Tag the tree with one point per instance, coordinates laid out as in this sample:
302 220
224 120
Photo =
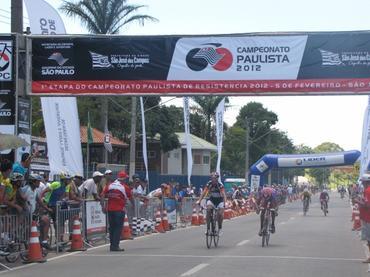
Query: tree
206 107
321 175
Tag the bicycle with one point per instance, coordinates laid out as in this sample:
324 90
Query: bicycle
305 206
266 227
212 233
324 207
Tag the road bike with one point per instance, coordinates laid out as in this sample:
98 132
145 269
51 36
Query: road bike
324 206
305 206
266 227
212 234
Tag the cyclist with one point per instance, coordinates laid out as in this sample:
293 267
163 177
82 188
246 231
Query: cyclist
306 196
32 198
267 198
324 197
217 199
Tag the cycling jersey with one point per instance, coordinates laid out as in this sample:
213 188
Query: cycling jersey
214 190
268 195
306 194
324 196
55 194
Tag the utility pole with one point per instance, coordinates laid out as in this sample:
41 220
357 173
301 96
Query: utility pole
247 152
16 16
133 136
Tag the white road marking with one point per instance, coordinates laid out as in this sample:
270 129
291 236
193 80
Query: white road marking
242 242
194 269
292 218
224 257
282 223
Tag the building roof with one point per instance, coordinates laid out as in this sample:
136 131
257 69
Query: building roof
196 142
98 137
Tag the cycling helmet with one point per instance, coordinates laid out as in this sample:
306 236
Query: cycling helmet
215 175
34 177
65 176
15 176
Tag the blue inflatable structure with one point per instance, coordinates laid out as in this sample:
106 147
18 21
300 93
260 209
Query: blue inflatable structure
258 171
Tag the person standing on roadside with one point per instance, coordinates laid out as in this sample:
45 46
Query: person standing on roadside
117 194
364 203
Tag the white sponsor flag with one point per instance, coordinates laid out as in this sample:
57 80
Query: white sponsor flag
187 137
63 134
107 143
365 143
145 156
44 19
219 133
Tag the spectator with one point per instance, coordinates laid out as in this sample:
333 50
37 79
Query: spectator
5 170
89 188
139 193
364 203
12 197
32 198
73 192
117 194
24 165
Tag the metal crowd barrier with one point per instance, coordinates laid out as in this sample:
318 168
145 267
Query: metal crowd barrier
14 228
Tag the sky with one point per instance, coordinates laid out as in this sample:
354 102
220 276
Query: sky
309 120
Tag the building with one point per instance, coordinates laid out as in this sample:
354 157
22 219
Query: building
175 162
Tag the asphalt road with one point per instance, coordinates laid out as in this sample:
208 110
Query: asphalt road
311 245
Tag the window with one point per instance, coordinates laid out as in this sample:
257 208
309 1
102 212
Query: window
151 154
176 155
205 159
197 159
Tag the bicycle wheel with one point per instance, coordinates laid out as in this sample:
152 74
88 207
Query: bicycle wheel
13 256
209 232
216 237
264 232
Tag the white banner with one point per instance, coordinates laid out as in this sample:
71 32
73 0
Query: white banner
187 137
365 143
239 58
219 133
95 218
63 134
107 143
145 155
255 182
44 19
319 160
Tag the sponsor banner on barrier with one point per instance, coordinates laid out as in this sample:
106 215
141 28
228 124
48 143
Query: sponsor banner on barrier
95 219
255 182
311 161
268 64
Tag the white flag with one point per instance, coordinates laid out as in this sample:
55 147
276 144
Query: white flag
187 137
219 133
63 134
107 143
365 143
44 19
145 156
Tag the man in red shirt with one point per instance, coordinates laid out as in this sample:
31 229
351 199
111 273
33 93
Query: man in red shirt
117 193
364 204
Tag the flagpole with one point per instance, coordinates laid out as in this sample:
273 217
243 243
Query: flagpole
87 158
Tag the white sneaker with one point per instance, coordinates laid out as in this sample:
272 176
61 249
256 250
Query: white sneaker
220 233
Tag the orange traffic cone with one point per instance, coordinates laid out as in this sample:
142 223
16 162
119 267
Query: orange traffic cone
34 250
194 218
166 226
356 220
77 242
159 225
126 231
201 217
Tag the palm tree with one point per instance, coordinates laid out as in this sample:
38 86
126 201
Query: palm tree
105 16
108 17
207 106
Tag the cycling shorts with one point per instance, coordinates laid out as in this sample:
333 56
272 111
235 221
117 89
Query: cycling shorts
219 204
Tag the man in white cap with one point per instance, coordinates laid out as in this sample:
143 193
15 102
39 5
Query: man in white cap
364 204
106 181
89 188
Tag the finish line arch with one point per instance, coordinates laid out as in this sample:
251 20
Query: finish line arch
259 169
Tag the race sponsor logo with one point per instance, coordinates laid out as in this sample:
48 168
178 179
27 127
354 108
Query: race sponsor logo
4 111
355 58
6 60
60 62
212 54
119 61
262 166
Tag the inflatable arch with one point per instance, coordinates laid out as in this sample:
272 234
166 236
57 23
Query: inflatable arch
258 170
